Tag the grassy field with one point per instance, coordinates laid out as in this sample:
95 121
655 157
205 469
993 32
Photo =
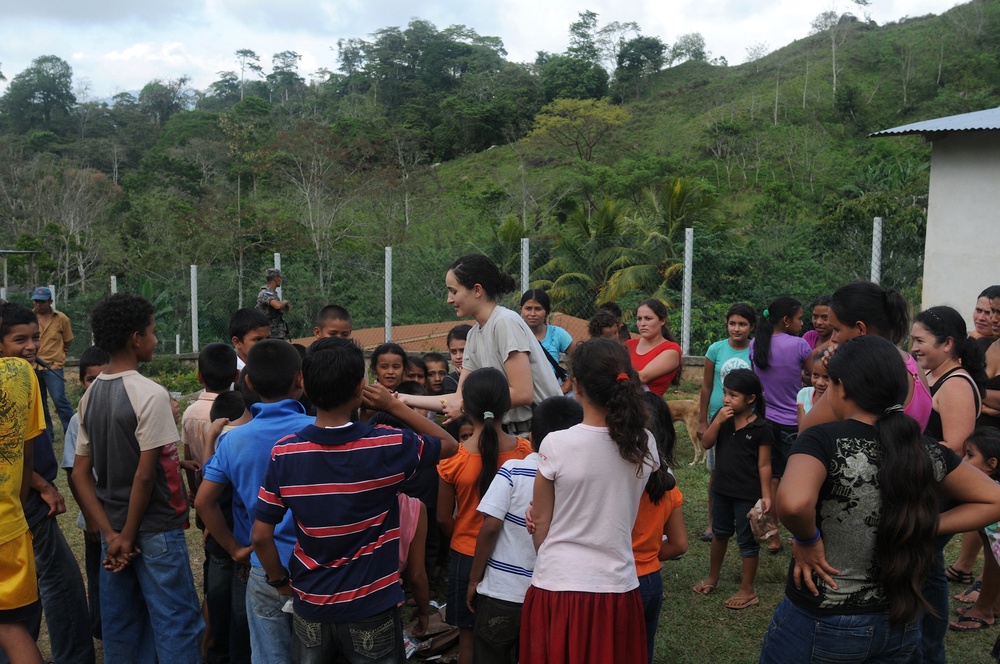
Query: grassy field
693 628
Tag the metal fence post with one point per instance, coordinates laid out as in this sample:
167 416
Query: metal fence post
388 294
277 266
876 249
194 310
686 310
525 262
52 287
114 284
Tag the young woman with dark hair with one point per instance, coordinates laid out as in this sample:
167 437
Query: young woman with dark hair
535 309
655 355
859 498
861 308
584 604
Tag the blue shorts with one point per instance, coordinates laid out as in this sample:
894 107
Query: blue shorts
729 517
459 570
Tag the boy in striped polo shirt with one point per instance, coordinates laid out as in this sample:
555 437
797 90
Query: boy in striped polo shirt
339 479
505 555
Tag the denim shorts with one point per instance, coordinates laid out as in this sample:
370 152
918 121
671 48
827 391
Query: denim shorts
798 635
729 517
498 628
456 612
784 436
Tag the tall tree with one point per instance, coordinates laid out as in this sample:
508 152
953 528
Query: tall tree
638 60
41 96
583 38
284 77
689 47
247 60
577 126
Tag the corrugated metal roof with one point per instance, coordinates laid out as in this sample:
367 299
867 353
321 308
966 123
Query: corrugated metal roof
977 121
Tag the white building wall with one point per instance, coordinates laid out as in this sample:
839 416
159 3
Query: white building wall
962 250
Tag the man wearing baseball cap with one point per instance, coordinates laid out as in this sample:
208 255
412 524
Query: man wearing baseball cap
56 333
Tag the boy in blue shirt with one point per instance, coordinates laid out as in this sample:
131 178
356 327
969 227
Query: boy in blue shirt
339 480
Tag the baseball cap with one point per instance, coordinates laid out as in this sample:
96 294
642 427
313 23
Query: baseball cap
41 294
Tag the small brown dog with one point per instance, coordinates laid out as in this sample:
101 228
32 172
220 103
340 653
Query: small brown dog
687 411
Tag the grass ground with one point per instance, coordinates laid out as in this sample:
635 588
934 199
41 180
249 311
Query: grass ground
693 628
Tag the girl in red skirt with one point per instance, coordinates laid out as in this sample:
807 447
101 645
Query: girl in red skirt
584 604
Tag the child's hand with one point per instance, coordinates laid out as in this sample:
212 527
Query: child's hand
53 499
193 466
420 628
727 413
470 596
377 397
765 505
529 521
242 554
702 428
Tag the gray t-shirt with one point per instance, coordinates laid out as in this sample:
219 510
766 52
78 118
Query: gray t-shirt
490 346
121 416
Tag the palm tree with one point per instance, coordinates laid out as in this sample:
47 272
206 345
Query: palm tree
655 259
583 258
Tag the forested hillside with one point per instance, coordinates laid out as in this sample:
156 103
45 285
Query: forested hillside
429 140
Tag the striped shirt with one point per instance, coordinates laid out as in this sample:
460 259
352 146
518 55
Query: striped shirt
340 485
509 568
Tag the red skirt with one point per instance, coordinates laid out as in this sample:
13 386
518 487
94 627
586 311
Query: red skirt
582 628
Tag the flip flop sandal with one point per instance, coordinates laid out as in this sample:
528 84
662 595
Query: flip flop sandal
978 623
957 576
703 588
966 596
740 603
705 537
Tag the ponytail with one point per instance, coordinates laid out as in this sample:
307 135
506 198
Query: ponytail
904 540
779 309
485 399
603 369
884 312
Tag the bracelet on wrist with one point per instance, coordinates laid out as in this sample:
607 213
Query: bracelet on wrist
278 583
807 542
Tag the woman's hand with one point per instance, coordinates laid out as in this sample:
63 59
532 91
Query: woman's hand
810 559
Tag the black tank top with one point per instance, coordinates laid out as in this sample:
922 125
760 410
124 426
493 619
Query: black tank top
934 427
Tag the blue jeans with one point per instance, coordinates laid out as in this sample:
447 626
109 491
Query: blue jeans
934 628
55 385
498 630
651 592
230 633
64 601
270 627
377 639
797 635
150 609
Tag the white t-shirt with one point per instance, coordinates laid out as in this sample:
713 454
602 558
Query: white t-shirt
490 346
589 544
508 571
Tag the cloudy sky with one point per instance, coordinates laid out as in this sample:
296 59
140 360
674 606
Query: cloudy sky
118 45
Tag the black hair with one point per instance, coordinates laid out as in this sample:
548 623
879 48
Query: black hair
414 361
884 312
250 396
92 357
873 376
612 307
332 312
244 321
599 321
271 367
16 314
779 309
217 366
473 269
435 357
661 425
945 323
821 301
456 424
603 370
411 387
332 371
987 440
743 310
991 292
748 383
539 296
554 414
389 349
486 399
228 404
459 332
117 317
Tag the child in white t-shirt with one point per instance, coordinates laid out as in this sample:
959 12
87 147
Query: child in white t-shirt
505 555
808 396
